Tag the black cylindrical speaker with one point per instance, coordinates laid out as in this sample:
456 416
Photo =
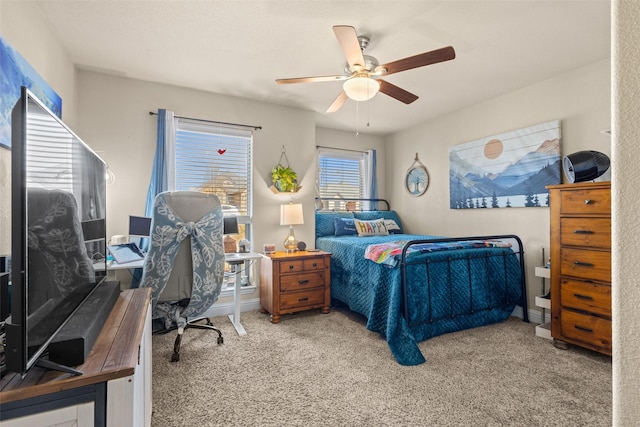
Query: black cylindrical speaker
585 165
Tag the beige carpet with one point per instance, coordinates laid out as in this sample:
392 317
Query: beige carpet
328 370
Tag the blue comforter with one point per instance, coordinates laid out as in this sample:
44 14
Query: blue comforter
375 290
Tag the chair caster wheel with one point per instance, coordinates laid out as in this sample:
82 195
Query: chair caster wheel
220 340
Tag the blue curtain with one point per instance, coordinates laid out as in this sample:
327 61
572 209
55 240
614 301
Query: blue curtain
371 178
159 179
159 176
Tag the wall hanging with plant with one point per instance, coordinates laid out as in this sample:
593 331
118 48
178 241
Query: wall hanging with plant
283 178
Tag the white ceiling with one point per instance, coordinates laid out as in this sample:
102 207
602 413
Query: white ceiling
240 48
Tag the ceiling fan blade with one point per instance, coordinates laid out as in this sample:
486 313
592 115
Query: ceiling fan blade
337 103
420 60
350 45
311 79
396 92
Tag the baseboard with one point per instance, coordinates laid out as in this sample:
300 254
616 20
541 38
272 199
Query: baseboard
535 316
223 309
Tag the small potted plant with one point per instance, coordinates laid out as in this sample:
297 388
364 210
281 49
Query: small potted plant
284 179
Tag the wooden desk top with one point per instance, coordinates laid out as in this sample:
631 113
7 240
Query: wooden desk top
114 354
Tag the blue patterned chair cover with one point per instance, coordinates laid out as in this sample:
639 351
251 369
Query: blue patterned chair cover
168 232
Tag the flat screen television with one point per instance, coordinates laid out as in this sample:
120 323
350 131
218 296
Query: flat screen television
58 196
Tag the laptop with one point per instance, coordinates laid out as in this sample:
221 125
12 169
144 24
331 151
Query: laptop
126 252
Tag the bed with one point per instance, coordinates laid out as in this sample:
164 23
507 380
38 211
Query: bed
414 287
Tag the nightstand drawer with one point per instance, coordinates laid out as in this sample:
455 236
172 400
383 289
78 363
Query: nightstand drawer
589 329
586 264
313 264
291 266
302 299
589 232
296 282
585 296
592 200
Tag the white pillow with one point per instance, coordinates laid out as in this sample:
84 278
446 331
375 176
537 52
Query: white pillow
392 226
371 228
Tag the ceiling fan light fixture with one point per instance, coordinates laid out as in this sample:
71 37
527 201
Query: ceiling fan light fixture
361 87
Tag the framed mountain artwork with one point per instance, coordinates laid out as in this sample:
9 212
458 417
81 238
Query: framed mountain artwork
15 72
507 170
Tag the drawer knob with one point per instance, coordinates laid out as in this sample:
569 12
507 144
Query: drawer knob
582 328
303 282
588 202
582 232
584 297
583 264
315 264
291 267
303 299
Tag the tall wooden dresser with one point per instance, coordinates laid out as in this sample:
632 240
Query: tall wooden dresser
581 264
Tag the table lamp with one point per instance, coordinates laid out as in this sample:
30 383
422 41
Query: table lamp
230 227
291 215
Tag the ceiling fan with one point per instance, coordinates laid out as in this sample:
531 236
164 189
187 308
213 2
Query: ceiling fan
363 72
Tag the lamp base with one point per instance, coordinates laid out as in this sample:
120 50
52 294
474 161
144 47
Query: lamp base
291 243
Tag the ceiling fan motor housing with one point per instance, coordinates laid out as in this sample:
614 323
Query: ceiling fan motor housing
370 64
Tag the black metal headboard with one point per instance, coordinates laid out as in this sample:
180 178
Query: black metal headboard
332 204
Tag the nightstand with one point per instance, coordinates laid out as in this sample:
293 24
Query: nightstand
293 282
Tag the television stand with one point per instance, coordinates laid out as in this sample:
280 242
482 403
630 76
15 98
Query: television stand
114 389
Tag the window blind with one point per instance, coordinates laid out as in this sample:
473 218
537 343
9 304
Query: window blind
215 159
340 174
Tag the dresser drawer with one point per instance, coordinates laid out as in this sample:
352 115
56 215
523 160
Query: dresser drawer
585 296
296 282
589 232
302 299
585 264
587 200
588 329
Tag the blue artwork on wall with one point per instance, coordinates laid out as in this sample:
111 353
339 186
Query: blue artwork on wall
15 72
507 170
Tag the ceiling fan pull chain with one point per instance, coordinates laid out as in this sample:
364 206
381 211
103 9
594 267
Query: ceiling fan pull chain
357 118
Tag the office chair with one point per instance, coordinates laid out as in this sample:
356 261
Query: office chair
184 265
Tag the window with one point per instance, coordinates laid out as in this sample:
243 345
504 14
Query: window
216 159
340 176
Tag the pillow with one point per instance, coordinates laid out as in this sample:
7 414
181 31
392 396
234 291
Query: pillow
325 222
369 215
371 228
392 226
344 226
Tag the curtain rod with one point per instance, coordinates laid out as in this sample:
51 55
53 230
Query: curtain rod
151 113
342 149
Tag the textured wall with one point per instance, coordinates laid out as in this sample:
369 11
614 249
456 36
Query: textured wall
626 205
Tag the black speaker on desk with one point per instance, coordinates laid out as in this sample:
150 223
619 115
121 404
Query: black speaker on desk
72 345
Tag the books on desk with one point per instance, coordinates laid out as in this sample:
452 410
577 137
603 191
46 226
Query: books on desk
126 253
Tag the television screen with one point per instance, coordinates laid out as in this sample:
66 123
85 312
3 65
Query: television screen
58 198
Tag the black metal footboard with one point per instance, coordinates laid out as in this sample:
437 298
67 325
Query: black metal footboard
427 315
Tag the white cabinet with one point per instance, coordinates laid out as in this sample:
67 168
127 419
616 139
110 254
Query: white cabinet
114 389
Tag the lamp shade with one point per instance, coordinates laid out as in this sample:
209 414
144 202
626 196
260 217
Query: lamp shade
230 225
361 87
291 214
585 165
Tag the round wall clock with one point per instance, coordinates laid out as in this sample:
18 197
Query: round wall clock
416 181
